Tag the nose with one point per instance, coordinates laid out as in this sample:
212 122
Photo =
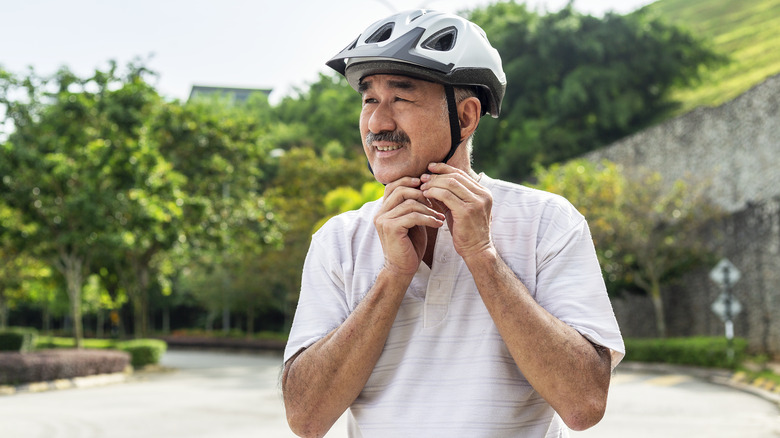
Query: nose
381 119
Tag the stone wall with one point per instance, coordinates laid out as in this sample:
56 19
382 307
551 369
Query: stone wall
734 150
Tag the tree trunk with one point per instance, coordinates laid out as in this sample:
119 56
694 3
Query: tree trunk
250 320
166 319
99 324
140 298
72 267
140 313
46 316
3 312
226 319
658 306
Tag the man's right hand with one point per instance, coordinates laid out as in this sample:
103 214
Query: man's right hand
401 225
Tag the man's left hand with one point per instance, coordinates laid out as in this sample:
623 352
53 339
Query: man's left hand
466 204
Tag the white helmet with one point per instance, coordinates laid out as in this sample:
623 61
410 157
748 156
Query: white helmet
435 46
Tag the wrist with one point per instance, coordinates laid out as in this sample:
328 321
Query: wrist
482 259
396 278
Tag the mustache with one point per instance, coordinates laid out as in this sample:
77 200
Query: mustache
397 136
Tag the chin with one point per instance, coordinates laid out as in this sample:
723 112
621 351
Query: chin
386 177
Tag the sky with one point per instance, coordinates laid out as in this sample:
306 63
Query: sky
269 44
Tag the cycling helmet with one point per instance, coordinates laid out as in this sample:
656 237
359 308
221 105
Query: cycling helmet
433 46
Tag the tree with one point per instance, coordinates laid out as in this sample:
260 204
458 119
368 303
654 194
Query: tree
327 114
60 163
576 82
222 151
647 233
343 199
297 193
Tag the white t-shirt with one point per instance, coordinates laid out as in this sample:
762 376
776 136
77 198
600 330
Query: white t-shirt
444 370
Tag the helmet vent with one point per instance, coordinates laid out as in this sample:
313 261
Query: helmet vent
382 34
418 14
442 40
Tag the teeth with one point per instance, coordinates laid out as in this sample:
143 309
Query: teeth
388 148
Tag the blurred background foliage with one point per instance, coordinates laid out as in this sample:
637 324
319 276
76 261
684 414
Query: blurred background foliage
139 214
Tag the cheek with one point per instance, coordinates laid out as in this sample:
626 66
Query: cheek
363 123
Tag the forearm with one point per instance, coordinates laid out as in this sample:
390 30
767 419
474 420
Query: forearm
561 365
322 381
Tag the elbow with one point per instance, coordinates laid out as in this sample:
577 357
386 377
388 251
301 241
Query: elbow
586 414
303 424
305 419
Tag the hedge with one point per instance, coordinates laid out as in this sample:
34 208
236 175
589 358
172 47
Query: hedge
143 351
20 339
711 352
41 366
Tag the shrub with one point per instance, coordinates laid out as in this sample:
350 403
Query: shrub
144 351
46 365
711 352
20 339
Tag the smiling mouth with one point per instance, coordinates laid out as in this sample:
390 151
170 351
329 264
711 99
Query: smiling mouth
387 141
388 148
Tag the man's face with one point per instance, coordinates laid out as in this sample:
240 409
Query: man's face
404 125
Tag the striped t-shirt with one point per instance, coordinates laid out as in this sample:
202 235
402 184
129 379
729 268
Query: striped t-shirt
445 370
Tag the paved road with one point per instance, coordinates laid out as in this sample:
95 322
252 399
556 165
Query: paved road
236 395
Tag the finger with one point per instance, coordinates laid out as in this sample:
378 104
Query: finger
443 168
459 183
402 182
402 194
414 209
448 188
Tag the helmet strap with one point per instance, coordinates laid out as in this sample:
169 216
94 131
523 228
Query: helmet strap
452 109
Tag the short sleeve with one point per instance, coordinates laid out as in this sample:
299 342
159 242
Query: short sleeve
570 285
322 305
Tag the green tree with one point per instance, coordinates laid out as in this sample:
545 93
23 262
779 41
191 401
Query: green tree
222 150
577 82
325 117
58 163
343 199
297 193
646 232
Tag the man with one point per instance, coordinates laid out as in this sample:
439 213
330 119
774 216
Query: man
457 305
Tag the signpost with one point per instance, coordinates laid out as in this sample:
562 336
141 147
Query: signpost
725 274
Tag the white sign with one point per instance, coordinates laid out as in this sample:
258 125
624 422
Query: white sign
726 307
725 273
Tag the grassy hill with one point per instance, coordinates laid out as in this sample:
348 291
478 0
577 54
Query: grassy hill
747 31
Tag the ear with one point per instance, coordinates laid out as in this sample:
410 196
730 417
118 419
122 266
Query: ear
469 111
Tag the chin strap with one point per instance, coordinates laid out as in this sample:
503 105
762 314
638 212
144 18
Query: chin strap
452 109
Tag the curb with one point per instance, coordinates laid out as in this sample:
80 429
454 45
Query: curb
761 387
76 382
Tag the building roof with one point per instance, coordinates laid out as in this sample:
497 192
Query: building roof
237 94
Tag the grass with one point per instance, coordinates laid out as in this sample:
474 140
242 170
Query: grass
747 31
60 342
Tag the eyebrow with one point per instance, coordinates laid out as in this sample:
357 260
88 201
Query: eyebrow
400 84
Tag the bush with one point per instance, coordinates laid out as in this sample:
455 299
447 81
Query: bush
144 351
20 339
42 366
711 352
